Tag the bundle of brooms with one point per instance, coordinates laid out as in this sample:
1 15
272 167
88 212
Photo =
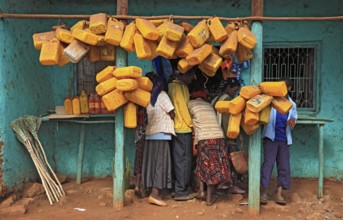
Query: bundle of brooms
26 129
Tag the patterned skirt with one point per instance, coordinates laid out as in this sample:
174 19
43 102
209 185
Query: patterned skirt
212 165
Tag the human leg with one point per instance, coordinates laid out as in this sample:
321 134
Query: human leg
284 175
182 164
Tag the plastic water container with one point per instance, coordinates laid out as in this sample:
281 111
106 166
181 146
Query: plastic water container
68 106
127 40
86 36
265 115
174 32
249 129
243 54
64 35
281 104
157 22
84 102
250 117
246 38
128 72
233 128
142 47
222 106
259 102
105 74
229 46
115 31
130 115
126 84
274 88
114 100
166 48
199 34
76 106
206 71
163 27
237 105
217 30
144 83
40 38
213 62
138 96
106 86
50 53
230 27
183 66
98 23
198 55
249 92
184 48
83 24
147 29
76 51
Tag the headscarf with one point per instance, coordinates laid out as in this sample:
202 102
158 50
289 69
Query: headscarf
156 90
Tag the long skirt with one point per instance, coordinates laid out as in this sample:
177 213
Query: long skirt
213 163
156 167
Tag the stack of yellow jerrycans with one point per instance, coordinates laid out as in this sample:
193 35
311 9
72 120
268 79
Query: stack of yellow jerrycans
97 38
124 86
252 107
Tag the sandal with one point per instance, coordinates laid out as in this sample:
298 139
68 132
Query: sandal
280 200
264 199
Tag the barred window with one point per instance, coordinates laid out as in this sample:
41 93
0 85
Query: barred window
297 63
86 72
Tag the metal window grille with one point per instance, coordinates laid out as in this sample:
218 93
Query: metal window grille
86 72
298 64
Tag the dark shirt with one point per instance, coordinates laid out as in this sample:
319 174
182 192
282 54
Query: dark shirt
280 127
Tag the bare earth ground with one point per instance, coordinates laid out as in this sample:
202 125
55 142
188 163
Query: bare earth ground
94 196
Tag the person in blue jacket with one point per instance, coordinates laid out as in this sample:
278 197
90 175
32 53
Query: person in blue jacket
276 141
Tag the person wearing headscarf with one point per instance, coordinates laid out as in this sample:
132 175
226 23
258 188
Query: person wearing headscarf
156 167
212 165
229 88
182 142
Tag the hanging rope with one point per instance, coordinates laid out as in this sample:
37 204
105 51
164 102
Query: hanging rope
131 17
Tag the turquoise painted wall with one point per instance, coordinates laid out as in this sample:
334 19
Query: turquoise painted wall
30 88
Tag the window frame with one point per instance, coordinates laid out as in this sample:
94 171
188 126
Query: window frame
316 45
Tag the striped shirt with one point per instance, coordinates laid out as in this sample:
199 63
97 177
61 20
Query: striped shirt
204 119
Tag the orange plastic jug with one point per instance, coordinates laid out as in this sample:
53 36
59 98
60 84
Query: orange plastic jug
174 32
68 106
83 24
233 128
147 29
183 66
64 35
274 88
115 31
98 23
39 38
144 83
114 100
142 47
128 72
127 40
86 36
199 34
213 62
107 53
259 102
217 30
166 48
246 38
222 106
138 96
237 105
126 84
243 53
198 55
249 129
229 46
281 104
50 53
105 74
106 86
206 71
249 92
93 54
265 115
251 118
184 48
130 115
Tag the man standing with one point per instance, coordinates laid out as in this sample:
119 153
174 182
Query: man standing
182 143
276 140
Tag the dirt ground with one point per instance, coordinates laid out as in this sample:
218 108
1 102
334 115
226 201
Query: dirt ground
93 200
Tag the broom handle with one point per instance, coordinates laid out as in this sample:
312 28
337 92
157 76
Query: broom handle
51 170
47 192
46 175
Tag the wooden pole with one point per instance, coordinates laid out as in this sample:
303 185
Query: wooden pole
255 139
119 153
